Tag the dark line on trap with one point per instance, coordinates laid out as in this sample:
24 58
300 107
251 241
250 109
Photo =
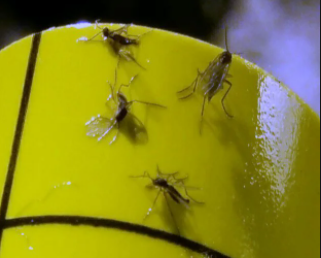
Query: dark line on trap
115 224
19 130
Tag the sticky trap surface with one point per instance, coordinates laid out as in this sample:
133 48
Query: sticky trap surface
259 172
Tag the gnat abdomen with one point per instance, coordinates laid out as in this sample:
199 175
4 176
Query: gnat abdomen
121 114
124 40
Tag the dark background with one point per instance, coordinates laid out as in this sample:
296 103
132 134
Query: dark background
285 34
189 17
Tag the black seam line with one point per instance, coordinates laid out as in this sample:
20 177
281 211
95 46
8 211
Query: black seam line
19 130
114 224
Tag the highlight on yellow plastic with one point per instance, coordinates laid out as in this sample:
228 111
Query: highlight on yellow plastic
67 195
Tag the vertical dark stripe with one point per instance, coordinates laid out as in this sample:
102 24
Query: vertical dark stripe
19 130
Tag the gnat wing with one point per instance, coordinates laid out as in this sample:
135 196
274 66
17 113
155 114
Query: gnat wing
121 31
134 129
216 80
99 126
177 197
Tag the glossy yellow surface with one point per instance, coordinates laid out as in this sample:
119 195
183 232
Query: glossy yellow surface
259 172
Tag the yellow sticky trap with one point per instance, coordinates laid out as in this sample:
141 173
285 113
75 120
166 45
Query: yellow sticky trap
68 195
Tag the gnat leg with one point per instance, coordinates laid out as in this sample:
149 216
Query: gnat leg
172 215
146 103
116 136
186 192
129 84
151 208
145 175
159 173
193 86
129 57
202 114
123 29
112 87
95 36
224 97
